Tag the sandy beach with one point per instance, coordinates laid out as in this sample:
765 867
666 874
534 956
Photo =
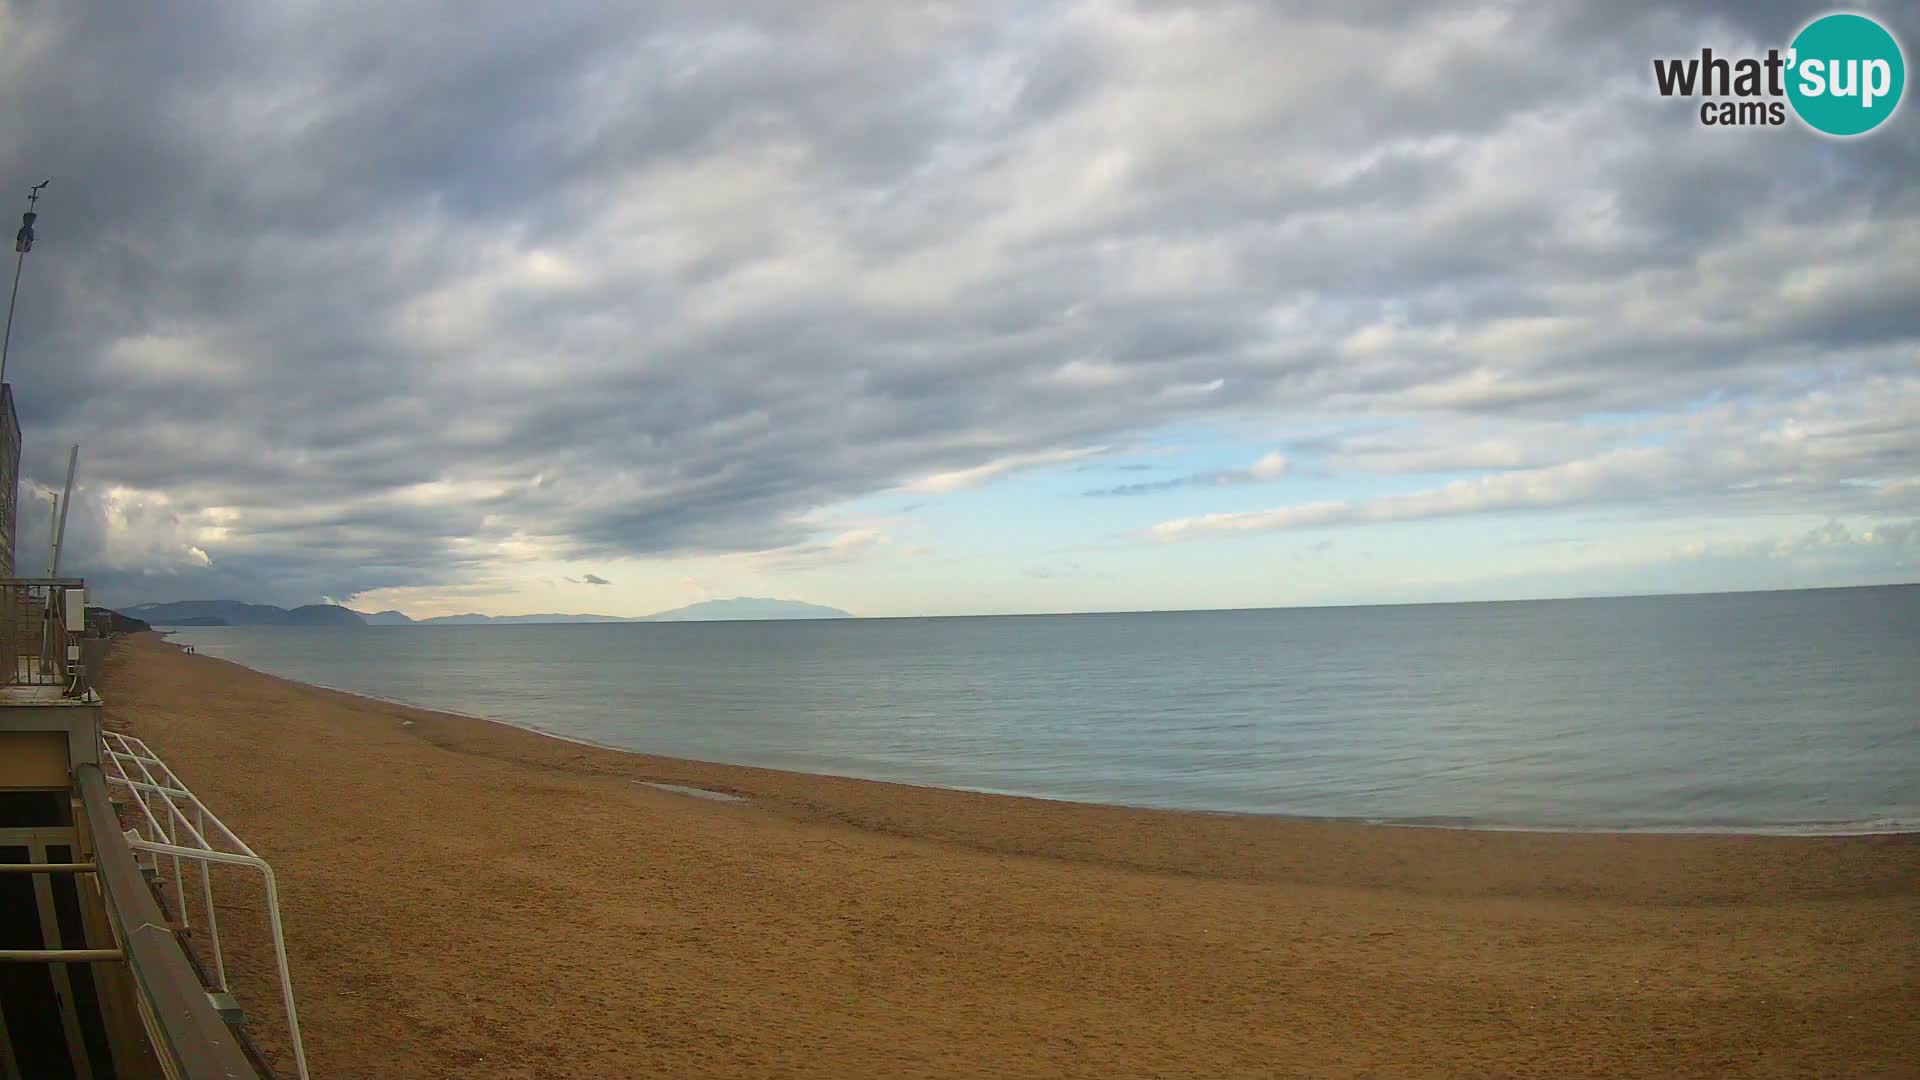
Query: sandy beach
466 899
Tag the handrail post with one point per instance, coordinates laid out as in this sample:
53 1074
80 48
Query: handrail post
286 977
213 924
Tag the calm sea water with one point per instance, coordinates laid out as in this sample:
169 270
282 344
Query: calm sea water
1795 711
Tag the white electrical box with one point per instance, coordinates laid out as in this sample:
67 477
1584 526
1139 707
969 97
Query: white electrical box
76 610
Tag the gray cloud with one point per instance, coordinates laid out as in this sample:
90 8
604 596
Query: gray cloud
1857 455
337 301
595 579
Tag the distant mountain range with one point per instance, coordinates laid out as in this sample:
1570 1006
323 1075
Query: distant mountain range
118 623
471 619
232 613
738 608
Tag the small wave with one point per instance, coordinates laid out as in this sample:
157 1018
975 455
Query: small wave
1871 827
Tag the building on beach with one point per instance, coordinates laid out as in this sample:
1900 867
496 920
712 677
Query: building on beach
110 956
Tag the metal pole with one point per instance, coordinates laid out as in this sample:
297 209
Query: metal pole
25 243
60 531
213 922
6 344
49 639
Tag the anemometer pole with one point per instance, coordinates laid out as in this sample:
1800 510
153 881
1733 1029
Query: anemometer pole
22 243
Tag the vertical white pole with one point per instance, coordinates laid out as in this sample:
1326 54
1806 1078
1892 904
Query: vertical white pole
47 636
66 501
213 923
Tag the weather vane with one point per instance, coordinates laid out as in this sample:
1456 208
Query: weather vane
23 240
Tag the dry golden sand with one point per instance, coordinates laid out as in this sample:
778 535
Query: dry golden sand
467 899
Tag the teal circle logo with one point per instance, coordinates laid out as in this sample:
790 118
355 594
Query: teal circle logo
1845 74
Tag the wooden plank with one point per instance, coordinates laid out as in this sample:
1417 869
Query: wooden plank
62 983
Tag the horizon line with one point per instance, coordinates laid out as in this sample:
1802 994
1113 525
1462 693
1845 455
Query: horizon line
1058 614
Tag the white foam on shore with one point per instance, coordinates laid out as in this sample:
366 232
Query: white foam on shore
696 792
1887 827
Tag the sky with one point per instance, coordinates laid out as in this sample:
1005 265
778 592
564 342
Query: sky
949 308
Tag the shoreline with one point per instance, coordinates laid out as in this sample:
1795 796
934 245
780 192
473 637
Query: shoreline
1810 830
469 898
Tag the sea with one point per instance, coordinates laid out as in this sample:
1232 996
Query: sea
1773 712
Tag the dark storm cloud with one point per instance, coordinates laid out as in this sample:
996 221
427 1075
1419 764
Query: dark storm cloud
346 297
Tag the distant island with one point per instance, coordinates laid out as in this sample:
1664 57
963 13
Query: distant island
746 607
471 619
233 613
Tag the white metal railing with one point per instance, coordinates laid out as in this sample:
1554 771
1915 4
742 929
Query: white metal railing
177 825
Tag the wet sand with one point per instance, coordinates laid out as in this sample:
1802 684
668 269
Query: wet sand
465 899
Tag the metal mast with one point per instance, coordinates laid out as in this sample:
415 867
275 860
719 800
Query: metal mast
22 243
